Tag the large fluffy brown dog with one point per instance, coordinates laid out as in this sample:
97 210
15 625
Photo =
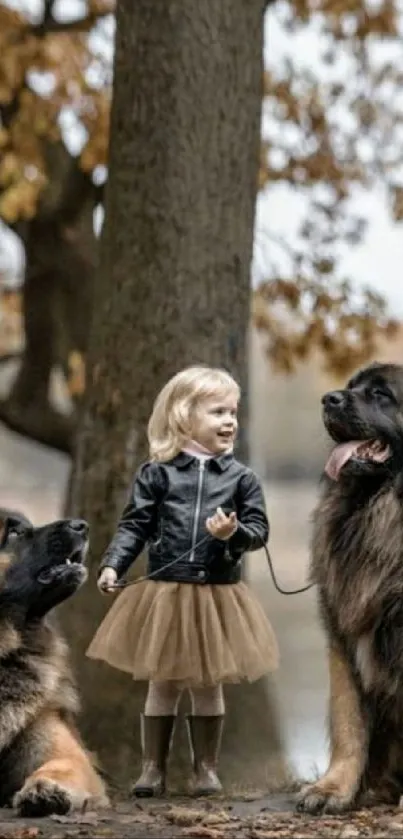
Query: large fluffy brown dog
357 563
44 768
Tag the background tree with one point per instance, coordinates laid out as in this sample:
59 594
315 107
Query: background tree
324 131
51 73
332 124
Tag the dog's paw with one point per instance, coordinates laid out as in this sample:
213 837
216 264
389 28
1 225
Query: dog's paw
317 798
42 798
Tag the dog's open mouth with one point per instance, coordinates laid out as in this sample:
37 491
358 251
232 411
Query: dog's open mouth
77 557
362 450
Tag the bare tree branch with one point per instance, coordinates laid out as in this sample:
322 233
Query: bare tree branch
84 24
48 10
45 426
78 188
9 356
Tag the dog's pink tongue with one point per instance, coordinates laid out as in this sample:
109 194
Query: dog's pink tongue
339 457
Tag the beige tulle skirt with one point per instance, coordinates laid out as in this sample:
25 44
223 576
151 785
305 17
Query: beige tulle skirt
189 634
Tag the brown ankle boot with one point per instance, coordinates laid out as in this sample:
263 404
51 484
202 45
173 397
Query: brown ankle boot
156 737
205 735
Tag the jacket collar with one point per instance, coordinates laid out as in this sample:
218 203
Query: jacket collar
220 462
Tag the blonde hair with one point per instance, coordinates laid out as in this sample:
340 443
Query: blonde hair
169 426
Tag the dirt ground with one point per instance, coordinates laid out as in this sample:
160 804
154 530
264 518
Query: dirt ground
261 818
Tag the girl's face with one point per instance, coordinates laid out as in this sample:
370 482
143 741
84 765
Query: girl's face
214 422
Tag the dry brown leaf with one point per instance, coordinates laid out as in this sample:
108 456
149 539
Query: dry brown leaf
199 830
184 815
76 373
137 818
349 832
395 824
221 817
78 818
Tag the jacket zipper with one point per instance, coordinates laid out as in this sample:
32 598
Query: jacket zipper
197 511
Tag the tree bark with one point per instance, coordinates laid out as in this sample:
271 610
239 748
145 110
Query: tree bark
173 288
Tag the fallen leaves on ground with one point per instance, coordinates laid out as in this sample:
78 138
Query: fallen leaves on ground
267 818
184 816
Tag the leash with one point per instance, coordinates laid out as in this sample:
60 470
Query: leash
126 583
275 583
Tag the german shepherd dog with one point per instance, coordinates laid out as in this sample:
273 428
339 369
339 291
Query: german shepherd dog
44 767
357 564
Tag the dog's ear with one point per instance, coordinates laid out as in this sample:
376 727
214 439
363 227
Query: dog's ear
12 523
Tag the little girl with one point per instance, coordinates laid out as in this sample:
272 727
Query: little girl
192 623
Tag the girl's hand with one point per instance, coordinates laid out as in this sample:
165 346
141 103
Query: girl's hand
221 526
107 580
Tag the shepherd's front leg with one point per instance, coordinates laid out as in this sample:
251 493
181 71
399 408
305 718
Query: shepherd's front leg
66 781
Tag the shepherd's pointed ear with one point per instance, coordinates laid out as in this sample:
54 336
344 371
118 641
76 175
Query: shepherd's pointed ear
12 523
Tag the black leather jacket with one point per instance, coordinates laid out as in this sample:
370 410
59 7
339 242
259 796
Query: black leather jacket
168 506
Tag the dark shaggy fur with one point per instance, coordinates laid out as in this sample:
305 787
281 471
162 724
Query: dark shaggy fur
357 563
43 766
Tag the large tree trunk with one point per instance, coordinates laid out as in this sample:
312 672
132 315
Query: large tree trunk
173 288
